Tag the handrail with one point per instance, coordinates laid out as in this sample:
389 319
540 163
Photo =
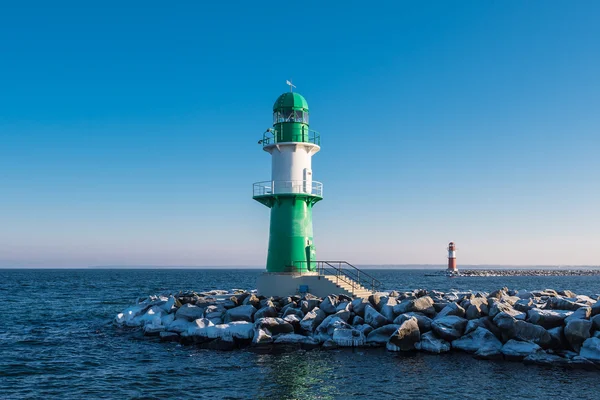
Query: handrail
347 273
306 136
281 187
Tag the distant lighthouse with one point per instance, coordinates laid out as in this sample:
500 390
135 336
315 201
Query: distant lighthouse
452 257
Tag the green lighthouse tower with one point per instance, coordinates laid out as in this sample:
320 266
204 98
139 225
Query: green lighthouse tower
291 193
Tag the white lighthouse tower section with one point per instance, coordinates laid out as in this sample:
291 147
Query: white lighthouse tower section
291 166
451 253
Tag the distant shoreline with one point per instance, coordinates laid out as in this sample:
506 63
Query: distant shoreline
429 267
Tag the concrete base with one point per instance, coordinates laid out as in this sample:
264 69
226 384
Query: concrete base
282 285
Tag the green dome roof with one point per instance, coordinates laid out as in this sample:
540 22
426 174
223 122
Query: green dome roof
290 100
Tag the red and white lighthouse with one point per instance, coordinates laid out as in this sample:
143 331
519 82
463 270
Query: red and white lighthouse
452 257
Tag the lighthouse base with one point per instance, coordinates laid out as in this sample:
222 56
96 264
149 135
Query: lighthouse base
289 284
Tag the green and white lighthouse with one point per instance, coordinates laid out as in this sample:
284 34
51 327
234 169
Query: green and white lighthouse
290 195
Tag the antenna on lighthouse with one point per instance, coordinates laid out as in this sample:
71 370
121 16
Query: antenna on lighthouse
291 85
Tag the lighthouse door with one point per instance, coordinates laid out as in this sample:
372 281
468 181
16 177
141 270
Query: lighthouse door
307 184
310 257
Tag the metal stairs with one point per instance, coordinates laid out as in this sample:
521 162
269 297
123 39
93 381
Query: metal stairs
349 278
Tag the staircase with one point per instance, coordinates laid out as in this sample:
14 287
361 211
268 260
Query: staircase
349 278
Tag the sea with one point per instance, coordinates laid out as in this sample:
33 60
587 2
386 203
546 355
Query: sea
57 340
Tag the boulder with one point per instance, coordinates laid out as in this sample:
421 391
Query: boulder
364 328
474 311
265 312
451 309
567 293
261 336
293 320
274 326
375 299
387 307
576 332
596 308
424 305
449 328
293 311
343 306
523 305
373 318
348 337
214 311
497 308
505 322
591 349
558 303
357 320
528 332
488 353
517 350
557 335
545 359
403 307
312 319
179 325
308 305
381 335
481 338
423 321
329 304
547 318
294 338
241 313
484 322
199 328
252 300
432 344
405 337
596 322
358 306
580 313
189 312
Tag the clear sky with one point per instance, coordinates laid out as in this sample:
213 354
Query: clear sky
128 130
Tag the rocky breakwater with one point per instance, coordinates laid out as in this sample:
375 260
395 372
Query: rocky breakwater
539 327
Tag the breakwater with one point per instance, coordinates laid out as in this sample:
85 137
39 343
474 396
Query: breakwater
527 272
545 327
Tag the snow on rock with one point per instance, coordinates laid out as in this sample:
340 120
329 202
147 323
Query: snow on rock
329 304
274 326
348 337
387 307
516 349
179 326
432 344
313 319
479 339
450 327
423 321
198 328
294 338
580 313
358 306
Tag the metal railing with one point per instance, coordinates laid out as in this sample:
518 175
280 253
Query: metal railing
305 135
347 273
281 187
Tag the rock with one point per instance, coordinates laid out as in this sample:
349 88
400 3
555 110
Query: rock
381 335
528 332
358 306
329 345
189 312
596 322
524 294
580 313
504 321
375 299
214 311
309 304
423 305
557 335
545 359
241 313
558 303
473 312
266 312
423 321
329 324
567 293
387 307
591 349
596 308
329 304
343 315
293 311
432 344
312 319
252 300
274 326
523 305
497 308
199 328
484 322
451 309
547 318
365 329
481 338
488 353
261 336
345 337
357 320
576 332
405 337
343 306
403 307
517 350
294 338
232 330
582 299
449 328
373 318
169 337
220 344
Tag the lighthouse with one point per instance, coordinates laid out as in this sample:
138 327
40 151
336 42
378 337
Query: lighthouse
452 258
291 194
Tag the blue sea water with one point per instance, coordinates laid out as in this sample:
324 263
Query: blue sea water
57 341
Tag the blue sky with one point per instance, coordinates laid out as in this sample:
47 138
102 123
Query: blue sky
128 130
